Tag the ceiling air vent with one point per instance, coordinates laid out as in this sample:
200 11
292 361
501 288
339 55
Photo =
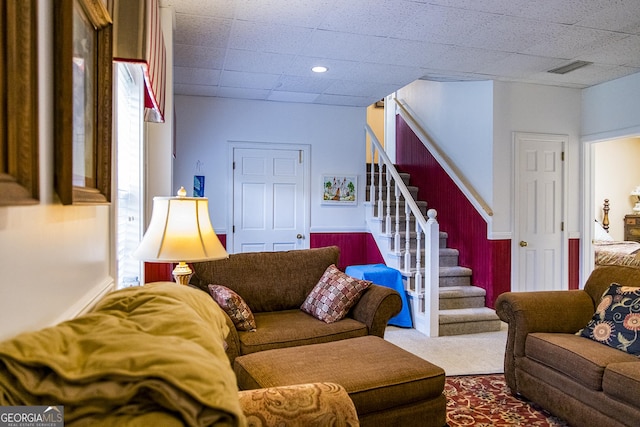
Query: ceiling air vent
570 67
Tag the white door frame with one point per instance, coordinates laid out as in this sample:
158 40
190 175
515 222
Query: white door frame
306 197
515 241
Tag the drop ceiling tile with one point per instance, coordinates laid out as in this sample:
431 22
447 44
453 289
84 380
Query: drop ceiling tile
316 84
620 52
338 69
574 41
359 89
198 56
195 90
305 13
242 93
436 24
621 15
587 76
201 30
511 34
257 62
517 65
248 80
292 96
272 38
337 45
466 59
407 52
369 17
196 76
385 73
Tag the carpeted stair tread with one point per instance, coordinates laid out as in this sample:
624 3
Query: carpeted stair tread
454 271
464 315
462 292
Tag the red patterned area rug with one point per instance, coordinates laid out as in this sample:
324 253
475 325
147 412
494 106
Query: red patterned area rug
486 401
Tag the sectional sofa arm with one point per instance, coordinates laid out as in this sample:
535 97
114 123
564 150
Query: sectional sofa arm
232 340
302 404
546 311
376 307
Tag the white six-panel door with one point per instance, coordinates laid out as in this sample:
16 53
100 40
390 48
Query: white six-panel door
539 238
270 199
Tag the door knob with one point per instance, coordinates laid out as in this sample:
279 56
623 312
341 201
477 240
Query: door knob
523 243
299 236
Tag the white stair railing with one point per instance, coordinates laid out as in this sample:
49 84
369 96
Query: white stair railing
422 279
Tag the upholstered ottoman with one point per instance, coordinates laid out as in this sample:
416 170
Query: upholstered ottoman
388 385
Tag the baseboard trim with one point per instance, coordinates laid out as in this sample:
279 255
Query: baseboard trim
88 301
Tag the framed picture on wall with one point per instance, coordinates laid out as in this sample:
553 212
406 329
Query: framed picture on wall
339 189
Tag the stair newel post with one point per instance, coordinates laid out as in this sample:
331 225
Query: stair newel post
396 237
380 205
372 181
432 272
407 235
387 222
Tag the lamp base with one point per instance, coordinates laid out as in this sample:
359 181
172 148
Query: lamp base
182 273
636 208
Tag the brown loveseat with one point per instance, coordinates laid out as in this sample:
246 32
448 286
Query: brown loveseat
275 284
578 379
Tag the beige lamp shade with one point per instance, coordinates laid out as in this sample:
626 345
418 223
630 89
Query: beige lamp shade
180 231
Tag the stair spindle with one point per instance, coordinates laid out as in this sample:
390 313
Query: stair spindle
396 237
380 167
387 222
407 243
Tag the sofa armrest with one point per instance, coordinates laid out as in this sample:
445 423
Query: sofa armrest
546 311
376 307
232 341
314 404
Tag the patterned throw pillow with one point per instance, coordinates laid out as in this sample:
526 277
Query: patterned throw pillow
616 321
234 306
334 295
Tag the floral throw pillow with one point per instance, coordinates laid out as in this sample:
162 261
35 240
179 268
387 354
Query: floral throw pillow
334 295
616 321
234 306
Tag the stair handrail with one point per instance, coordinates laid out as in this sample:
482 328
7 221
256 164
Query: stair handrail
426 277
475 198
420 219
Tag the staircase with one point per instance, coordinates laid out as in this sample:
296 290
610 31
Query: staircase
461 305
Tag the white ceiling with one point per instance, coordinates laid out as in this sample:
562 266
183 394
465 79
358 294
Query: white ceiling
264 49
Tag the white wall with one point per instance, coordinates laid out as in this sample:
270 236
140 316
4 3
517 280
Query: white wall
459 118
532 108
55 258
205 127
610 110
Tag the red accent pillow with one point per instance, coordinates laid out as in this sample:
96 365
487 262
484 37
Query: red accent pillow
334 295
234 306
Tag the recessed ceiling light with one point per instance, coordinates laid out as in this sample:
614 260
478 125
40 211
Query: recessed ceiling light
319 69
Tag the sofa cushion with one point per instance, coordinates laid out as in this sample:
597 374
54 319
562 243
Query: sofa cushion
292 328
622 382
616 321
234 306
334 295
579 358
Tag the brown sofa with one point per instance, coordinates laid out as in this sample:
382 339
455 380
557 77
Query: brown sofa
275 284
578 379
153 355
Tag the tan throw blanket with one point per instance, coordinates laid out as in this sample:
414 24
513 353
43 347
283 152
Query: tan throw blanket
145 356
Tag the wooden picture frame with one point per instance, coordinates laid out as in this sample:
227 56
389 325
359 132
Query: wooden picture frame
19 159
339 189
83 69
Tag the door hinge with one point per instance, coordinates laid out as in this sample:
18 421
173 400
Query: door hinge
562 226
562 156
300 156
233 165
233 228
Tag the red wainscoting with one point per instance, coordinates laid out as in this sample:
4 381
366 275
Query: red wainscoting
490 260
574 263
355 248
161 272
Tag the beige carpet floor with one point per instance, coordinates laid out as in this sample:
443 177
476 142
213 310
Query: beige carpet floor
458 355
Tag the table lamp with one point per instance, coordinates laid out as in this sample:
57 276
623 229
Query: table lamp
180 231
636 193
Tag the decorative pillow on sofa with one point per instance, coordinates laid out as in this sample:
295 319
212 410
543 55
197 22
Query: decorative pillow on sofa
616 321
334 295
234 306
